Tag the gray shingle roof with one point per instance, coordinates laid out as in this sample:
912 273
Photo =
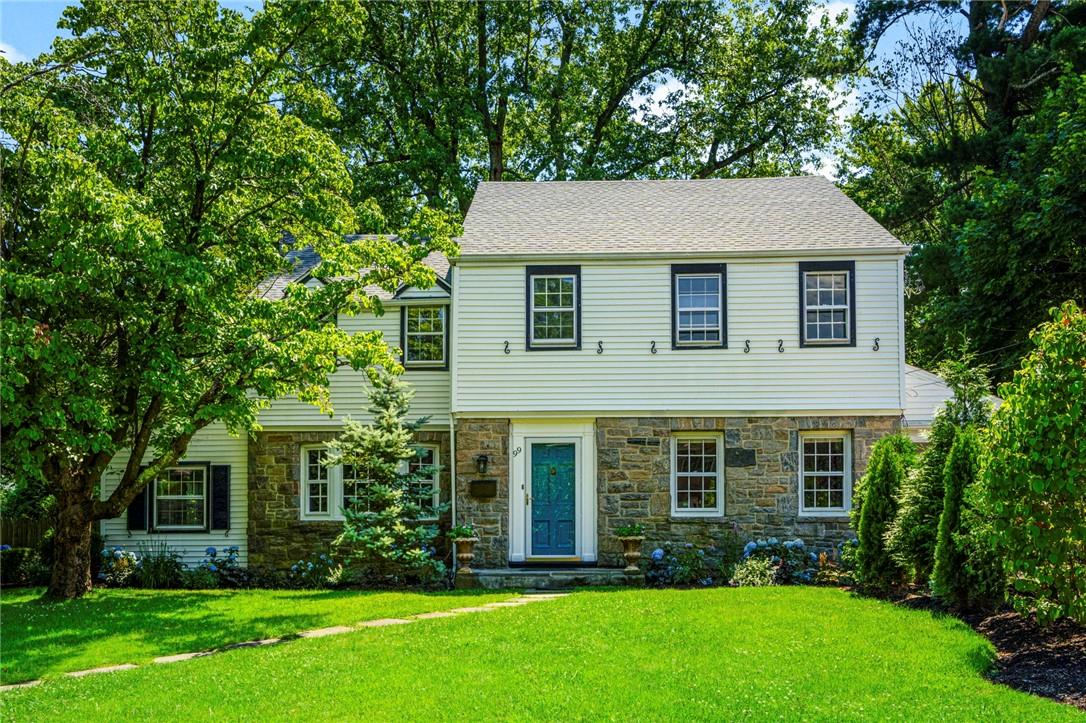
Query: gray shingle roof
305 260
665 217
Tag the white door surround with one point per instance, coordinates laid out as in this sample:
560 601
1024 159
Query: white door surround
581 433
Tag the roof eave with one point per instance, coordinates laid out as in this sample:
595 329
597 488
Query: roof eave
901 250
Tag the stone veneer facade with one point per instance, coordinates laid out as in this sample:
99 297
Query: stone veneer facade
761 480
278 537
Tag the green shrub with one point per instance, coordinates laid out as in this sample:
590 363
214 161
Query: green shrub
755 572
200 578
118 566
982 569
683 564
876 570
793 562
319 571
22 566
159 566
1035 475
905 449
949 581
911 538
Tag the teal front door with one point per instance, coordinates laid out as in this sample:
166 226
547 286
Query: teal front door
554 486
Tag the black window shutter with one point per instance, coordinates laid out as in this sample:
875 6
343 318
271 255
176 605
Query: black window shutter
220 497
139 517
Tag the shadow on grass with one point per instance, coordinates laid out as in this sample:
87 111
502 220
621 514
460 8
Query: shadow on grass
43 637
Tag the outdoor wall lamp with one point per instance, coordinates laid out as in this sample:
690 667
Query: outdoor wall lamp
482 463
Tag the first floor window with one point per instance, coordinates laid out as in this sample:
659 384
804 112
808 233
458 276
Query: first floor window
697 475
328 490
424 336
181 498
317 483
424 490
825 473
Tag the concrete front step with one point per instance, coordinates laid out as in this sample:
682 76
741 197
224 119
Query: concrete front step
533 578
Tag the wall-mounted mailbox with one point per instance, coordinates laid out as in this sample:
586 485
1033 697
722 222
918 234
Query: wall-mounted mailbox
483 488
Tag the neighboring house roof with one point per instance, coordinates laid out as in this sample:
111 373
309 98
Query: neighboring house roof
705 217
925 394
304 262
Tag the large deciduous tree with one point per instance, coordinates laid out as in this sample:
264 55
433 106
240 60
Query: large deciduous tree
150 172
438 96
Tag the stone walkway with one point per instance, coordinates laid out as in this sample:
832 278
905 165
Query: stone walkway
318 633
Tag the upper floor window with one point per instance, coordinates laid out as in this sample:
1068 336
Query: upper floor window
827 303
697 475
698 305
181 499
424 336
553 307
825 478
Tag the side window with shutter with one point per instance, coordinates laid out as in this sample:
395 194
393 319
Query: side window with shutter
139 516
220 497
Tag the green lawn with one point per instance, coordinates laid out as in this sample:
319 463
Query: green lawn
766 653
110 627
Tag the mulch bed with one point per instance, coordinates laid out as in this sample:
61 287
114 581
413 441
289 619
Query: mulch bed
1048 661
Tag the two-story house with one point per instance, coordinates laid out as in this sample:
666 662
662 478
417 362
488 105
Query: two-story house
689 355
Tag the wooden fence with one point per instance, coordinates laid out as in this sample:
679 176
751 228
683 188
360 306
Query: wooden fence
23 533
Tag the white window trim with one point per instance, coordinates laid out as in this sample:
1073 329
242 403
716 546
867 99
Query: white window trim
847 308
717 511
718 309
335 487
437 479
845 435
203 500
532 308
417 364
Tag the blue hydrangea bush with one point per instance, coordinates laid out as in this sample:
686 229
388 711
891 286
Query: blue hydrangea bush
683 565
793 563
319 571
118 566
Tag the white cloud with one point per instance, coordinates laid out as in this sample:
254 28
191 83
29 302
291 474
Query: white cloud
12 54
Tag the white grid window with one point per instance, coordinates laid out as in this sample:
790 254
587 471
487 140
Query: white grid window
181 499
317 483
825 473
825 306
424 335
697 475
353 480
554 309
698 314
425 491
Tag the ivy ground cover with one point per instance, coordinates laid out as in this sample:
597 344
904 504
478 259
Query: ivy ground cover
750 653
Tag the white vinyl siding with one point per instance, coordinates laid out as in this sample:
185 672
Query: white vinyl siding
626 305
216 446
349 387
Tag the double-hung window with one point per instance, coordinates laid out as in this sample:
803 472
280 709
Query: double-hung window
827 291
181 498
825 477
425 491
424 336
328 490
697 475
698 311
553 307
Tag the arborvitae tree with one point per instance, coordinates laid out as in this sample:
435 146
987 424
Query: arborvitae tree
876 570
949 580
911 538
384 541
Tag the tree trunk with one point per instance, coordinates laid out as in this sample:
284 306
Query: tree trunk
71 545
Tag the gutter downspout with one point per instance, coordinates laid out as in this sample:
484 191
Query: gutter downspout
452 478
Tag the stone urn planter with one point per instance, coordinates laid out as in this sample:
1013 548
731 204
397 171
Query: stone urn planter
465 553
631 550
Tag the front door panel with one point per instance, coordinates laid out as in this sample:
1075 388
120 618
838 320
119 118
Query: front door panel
554 487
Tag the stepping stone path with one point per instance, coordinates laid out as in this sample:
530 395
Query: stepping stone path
318 633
